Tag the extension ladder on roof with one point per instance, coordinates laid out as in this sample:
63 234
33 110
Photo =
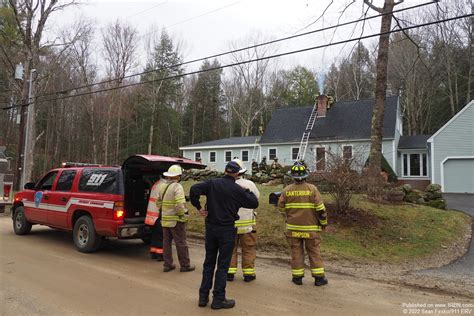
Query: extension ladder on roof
307 132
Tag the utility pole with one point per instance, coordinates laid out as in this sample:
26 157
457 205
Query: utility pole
29 134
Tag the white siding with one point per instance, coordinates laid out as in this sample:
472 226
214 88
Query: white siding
220 163
454 139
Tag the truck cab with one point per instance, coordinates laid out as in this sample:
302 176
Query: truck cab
94 201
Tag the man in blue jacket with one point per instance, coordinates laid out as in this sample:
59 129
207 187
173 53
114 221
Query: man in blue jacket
224 198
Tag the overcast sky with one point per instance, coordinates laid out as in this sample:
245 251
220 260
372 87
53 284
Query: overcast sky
207 27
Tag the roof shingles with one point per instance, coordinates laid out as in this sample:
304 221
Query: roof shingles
344 120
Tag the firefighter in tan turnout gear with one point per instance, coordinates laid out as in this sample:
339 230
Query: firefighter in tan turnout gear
174 216
306 216
246 233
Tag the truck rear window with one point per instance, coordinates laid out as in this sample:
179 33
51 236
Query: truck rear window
99 180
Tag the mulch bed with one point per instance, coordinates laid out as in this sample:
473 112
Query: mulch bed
352 217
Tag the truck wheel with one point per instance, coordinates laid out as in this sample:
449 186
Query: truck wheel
85 237
21 226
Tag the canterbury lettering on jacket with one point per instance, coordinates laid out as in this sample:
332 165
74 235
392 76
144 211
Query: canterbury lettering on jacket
298 193
304 209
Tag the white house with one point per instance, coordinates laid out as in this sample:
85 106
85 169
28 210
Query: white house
345 129
452 153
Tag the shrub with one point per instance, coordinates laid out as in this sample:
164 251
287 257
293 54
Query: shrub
341 179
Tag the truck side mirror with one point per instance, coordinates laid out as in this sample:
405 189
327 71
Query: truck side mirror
273 198
29 186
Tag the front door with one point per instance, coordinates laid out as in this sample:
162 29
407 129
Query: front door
36 208
59 198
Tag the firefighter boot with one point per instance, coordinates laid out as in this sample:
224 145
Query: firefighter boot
297 280
249 278
230 277
320 281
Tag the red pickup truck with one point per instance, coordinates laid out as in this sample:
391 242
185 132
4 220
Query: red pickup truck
94 201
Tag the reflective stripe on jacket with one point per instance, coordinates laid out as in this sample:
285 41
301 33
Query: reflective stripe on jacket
304 208
152 212
247 220
173 203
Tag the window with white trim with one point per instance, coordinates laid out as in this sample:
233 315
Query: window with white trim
245 155
320 158
228 156
197 155
212 156
415 165
294 153
347 152
272 153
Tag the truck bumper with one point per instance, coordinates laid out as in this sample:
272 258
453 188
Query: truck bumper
131 231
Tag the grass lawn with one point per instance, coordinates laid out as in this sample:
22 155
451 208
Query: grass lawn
395 232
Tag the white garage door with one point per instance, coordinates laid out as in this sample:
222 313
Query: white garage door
458 175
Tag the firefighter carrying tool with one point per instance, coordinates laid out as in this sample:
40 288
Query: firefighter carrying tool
153 219
246 233
306 216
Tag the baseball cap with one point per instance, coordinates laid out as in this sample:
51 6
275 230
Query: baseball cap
232 167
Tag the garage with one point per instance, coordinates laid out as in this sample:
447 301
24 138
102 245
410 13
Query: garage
458 174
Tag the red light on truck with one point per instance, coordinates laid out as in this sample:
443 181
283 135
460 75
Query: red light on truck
118 214
6 190
118 210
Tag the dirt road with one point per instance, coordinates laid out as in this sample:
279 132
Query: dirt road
42 274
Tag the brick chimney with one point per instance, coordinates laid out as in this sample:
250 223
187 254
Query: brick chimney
322 105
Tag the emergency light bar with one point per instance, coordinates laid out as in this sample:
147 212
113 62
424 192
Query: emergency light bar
69 164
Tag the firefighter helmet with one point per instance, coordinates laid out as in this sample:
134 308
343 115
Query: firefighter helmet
298 171
173 171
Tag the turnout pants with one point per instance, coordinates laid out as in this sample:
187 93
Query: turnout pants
297 246
178 233
247 244
156 244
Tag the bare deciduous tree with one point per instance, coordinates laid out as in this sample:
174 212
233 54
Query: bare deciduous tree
250 82
120 42
31 17
375 156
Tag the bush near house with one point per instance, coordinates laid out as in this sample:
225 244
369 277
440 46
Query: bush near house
374 231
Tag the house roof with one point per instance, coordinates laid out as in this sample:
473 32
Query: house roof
225 142
451 120
344 120
413 142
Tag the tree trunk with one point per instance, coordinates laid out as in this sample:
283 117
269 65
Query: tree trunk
375 156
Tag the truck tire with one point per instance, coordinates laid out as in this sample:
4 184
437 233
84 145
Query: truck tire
21 226
85 237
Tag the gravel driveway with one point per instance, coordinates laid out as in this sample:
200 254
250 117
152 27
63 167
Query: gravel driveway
464 267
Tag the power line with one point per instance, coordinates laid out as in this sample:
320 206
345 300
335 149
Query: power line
232 51
247 61
149 9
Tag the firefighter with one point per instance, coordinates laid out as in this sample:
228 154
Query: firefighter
275 167
246 233
254 167
263 165
153 219
306 216
173 219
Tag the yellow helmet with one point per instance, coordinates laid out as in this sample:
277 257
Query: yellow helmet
173 171
298 171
